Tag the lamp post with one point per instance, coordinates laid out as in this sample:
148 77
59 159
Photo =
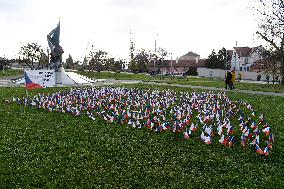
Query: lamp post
155 58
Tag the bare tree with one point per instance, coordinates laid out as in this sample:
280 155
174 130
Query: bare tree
97 60
33 56
142 60
270 15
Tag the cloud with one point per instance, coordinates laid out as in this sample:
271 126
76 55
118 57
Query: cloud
183 25
136 4
12 6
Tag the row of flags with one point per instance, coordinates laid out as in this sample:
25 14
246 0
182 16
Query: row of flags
207 115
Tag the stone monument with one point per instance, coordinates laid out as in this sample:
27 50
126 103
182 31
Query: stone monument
56 53
55 63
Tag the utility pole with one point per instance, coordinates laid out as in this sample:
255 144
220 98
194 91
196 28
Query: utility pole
156 43
171 63
155 59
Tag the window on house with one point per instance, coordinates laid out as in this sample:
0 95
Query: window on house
241 68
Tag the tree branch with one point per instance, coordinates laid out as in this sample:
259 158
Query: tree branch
27 62
268 40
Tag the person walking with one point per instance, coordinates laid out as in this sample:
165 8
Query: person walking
228 80
277 79
267 78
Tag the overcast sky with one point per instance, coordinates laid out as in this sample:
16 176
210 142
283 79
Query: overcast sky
181 25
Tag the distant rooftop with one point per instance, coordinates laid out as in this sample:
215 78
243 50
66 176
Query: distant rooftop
189 56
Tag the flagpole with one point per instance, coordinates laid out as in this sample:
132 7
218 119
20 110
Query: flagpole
27 92
26 84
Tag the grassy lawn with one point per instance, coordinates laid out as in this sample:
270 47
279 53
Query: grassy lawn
114 75
54 150
10 72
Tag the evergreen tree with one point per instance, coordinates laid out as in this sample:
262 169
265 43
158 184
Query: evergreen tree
216 61
69 62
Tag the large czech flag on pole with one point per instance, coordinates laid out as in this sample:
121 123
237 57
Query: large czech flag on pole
39 79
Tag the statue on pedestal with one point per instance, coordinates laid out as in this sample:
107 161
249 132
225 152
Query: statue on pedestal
55 48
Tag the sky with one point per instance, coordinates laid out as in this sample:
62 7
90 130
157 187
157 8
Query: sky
179 26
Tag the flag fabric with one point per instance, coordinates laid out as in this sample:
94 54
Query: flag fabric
222 139
35 79
54 35
186 135
266 130
243 140
258 150
266 151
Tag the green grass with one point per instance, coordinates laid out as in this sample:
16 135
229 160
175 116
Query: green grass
10 72
53 150
114 75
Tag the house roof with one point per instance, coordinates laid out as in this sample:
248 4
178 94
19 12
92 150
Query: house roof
229 52
229 55
243 51
189 56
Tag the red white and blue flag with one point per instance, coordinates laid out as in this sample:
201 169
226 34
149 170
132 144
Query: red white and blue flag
35 79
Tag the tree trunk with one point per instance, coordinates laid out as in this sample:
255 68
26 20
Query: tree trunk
33 64
282 60
282 69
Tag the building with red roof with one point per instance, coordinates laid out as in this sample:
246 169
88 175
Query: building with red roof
181 66
243 58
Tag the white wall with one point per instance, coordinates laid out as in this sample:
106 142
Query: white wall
207 72
235 61
218 73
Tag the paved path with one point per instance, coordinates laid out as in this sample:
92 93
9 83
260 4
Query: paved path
218 89
7 83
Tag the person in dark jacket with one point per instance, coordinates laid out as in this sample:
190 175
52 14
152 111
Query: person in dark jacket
228 80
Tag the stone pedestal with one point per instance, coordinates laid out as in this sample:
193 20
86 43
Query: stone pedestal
58 76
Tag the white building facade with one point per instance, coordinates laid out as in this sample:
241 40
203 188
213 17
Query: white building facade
244 57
